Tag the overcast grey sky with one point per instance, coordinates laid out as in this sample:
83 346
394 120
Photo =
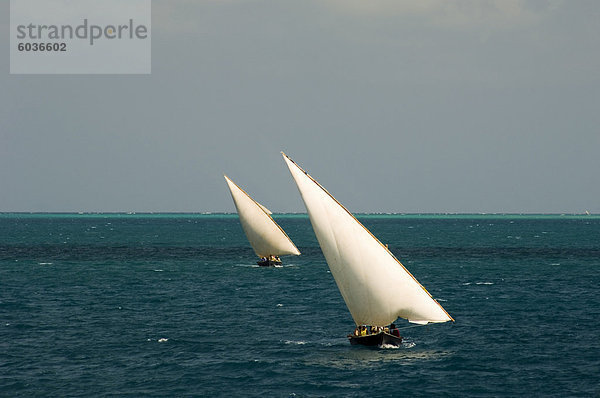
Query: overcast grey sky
437 106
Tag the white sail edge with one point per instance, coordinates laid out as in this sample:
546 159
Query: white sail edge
269 212
265 236
353 273
422 322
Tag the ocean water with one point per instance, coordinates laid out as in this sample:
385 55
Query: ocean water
174 305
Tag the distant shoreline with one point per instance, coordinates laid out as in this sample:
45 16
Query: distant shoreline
302 215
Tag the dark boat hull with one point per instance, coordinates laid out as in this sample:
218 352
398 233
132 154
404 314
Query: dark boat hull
269 263
378 339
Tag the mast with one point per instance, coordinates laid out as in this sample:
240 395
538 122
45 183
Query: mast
376 287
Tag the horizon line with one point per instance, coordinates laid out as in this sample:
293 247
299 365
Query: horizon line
299 213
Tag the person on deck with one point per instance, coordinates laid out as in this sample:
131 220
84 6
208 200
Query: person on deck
394 331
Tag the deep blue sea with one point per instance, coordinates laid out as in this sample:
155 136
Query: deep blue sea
171 305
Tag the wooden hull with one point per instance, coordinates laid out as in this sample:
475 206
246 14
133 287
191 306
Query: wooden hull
378 339
269 263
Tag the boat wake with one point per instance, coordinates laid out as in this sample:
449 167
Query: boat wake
404 345
408 344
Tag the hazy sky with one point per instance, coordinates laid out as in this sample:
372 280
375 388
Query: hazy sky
394 106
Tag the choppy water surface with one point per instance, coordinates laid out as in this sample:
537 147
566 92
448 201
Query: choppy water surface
174 305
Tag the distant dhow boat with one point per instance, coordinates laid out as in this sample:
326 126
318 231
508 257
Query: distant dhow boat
266 237
376 287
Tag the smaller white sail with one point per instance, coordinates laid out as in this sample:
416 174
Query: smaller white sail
265 236
376 287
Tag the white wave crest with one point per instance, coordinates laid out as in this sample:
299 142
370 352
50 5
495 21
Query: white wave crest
295 342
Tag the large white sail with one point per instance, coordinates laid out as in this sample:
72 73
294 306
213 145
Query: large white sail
265 236
375 286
